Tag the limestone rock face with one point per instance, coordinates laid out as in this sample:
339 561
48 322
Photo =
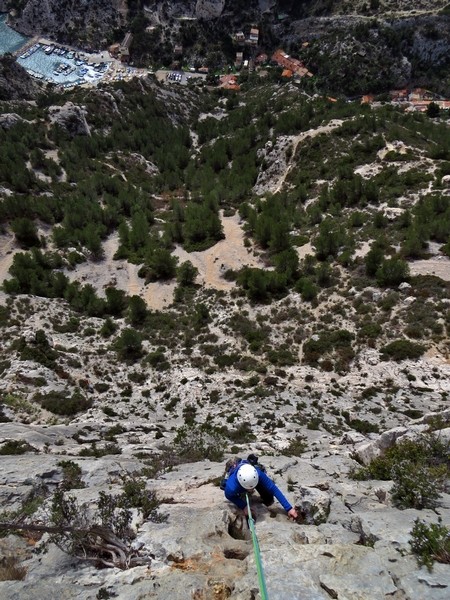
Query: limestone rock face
209 9
313 504
71 118
8 120
84 22
15 83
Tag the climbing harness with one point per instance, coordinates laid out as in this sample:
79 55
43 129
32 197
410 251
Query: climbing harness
257 553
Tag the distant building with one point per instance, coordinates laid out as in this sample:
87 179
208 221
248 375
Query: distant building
114 50
239 37
239 60
399 95
292 64
261 59
229 82
124 50
178 50
254 36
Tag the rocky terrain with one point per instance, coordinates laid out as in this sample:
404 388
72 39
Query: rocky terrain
138 353
352 47
15 83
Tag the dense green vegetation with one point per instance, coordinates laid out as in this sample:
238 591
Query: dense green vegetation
419 469
143 174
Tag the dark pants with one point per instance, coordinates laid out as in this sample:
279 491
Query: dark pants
266 496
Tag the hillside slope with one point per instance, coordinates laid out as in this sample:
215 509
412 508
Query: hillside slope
284 233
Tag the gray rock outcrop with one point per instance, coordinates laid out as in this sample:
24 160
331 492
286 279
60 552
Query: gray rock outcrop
209 9
15 83
73 23
71 118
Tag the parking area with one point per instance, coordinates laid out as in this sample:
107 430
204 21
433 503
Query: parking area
180 77
176 77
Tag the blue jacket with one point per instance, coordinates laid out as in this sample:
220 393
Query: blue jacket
234 489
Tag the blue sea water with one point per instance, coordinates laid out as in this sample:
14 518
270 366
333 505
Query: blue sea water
10 40
44 66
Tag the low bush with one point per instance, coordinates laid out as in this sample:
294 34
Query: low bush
430 543
10 569
296 447
16 447
59 403
71 475
106 450
416 485
401 350
198 442
418 468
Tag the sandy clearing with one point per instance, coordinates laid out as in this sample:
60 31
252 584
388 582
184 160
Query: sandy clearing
229 253
438 266
8 249
304 250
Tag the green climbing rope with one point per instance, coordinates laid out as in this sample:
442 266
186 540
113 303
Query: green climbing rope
257 552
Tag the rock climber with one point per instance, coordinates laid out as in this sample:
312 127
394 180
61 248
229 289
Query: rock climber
247 475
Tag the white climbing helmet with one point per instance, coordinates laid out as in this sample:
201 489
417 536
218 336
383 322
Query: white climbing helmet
247 476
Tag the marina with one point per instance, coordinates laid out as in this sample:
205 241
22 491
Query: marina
65 67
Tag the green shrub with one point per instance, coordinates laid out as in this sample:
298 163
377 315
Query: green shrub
157 360
401 350
16 447
59 403
40 351
418 468
71 475
281 357
392 272
416 486
296 447
226 360
242 434
363 426
108 449
198 442
430 543
135 495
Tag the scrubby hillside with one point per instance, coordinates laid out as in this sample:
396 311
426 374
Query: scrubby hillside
351 47
194 275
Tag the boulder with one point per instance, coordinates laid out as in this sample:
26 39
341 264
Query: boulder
71 118
313 505
8 120
209 9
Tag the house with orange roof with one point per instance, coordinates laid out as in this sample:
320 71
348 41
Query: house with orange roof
229 82
292 64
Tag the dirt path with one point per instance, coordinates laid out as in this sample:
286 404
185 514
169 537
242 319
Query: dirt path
8 249
296 141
